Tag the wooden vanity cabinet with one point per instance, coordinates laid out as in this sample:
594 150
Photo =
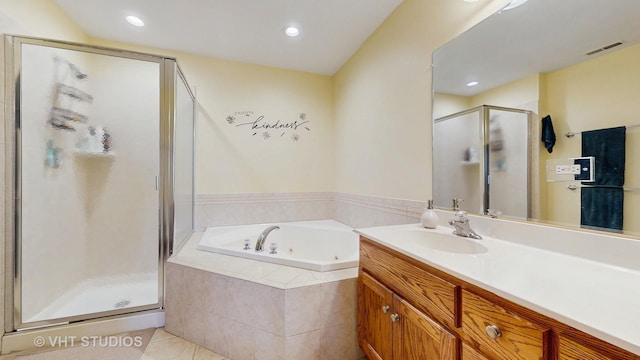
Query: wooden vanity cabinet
572 350
408 310
375 332
500 333
390 328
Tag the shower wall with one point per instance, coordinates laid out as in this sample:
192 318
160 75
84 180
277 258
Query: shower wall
48 194
121 200
90 216
461 178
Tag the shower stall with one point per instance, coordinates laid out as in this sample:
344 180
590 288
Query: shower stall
99 180
482 156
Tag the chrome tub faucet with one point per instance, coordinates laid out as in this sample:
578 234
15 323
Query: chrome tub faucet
462 228
263 237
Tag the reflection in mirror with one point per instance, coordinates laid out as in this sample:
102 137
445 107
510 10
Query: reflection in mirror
484 157
585 77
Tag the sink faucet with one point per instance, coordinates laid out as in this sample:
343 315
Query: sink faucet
263 237
461 223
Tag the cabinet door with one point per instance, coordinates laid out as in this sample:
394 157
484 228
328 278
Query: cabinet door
375 303
468 353
418 337
571 350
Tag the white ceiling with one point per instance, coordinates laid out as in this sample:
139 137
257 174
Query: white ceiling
240 30
537 37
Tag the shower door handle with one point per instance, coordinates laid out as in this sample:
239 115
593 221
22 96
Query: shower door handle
157 183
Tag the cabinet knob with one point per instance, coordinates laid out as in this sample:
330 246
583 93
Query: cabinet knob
493 331
395 317
385 309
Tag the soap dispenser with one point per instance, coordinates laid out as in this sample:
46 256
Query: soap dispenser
429 217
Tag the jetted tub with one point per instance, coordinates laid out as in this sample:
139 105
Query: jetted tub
322 245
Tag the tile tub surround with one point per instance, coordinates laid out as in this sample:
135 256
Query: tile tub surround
245 309
257 208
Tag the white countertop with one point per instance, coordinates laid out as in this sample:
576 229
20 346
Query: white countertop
598 298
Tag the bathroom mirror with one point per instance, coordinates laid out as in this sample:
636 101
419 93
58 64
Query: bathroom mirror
577 61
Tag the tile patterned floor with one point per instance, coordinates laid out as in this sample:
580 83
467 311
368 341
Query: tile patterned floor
162 346
165 346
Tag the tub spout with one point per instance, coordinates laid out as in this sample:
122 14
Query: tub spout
263 237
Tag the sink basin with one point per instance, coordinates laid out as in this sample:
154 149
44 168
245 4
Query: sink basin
441 242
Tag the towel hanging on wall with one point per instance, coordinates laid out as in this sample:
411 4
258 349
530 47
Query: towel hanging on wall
601 208
548 136
608 148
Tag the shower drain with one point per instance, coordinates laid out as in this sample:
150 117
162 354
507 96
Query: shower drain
122 303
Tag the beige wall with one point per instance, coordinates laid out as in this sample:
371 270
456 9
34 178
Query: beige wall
383 99
229 158
447 104
516 94
574 98
370 128
39 18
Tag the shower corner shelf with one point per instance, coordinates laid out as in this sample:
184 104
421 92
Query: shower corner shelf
94 154
470 162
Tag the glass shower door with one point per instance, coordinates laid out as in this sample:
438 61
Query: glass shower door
458 161
508 162
88 135
183 161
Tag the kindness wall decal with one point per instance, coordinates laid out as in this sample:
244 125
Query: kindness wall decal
267 129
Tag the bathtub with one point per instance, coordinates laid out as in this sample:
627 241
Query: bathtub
322 245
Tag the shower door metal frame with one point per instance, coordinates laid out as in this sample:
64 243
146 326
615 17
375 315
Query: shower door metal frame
173 73
13 220
483 111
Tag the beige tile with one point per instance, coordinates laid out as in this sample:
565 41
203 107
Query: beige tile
286 275
258 306
270 310
195 282
195 322
174 299
194 303
337 342
216 335
205 354
302 310
219 298
268 346
160 334
169 349
339 302
303 347
241 343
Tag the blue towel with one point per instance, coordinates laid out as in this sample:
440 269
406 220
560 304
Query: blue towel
548 136
602 203
608 148
601 208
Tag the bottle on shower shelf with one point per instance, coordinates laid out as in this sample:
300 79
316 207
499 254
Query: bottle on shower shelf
51 158
106 141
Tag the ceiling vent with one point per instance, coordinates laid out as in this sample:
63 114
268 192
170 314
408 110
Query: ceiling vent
605 48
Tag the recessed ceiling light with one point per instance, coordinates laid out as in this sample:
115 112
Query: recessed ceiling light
472 83
291 31
470 1
134 20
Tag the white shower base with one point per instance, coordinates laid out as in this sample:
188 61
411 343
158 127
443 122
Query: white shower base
99 295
